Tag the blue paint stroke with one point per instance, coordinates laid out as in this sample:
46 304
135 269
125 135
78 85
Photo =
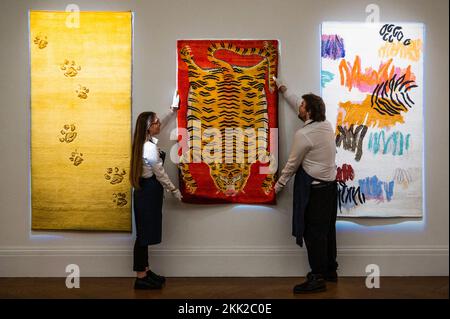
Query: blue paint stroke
388 190
396 143
332 46
326 77
373 188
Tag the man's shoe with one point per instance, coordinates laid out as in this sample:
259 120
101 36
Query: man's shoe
156 277
146 283
313 283
330 276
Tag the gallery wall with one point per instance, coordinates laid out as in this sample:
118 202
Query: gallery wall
225 240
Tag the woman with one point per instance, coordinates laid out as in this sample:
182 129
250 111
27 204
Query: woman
149 179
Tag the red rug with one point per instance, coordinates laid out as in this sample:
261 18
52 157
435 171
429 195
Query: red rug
228 120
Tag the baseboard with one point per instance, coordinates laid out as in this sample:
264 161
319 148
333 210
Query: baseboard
220 262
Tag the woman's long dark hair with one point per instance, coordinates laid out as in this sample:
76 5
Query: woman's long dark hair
143 123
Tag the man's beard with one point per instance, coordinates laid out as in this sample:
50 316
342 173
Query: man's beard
300 117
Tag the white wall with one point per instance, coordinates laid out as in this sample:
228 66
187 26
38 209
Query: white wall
224 240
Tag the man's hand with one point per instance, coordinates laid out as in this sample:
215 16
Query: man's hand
175 102
281 87
278 187
177 194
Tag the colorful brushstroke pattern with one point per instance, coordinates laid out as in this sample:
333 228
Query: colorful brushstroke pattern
412 52
359 113
366 81
332 47
326 77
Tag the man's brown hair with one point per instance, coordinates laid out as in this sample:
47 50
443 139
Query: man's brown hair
315 107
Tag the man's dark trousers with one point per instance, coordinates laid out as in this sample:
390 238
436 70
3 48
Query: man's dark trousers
320 228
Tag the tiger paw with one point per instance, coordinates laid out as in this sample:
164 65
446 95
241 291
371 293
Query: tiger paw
70 68
68 133
186 51
114 176
76 158
268 184
41 41
120 199
82 92
191 187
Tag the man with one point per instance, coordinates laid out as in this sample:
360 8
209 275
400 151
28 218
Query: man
312 160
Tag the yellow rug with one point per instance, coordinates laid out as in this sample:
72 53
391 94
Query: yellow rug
80 120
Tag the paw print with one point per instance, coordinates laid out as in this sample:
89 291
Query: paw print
120 199
186 51
191 188
71 68
114 176
76 158
41 41
268 46
82 92
68 133
268 184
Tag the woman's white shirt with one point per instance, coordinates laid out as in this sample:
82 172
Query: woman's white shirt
152 164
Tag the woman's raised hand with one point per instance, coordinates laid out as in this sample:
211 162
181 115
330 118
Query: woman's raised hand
175 102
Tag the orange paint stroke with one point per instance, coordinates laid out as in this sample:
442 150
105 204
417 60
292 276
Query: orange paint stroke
363 114
398 49
351 75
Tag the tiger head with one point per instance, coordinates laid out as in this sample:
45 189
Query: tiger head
230 178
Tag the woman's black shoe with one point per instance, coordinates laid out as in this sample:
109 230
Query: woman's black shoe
155 277
146 283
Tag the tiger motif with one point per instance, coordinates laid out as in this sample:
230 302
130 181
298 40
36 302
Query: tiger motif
224 97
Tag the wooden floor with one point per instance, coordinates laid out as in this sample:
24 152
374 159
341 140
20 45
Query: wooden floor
224 288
